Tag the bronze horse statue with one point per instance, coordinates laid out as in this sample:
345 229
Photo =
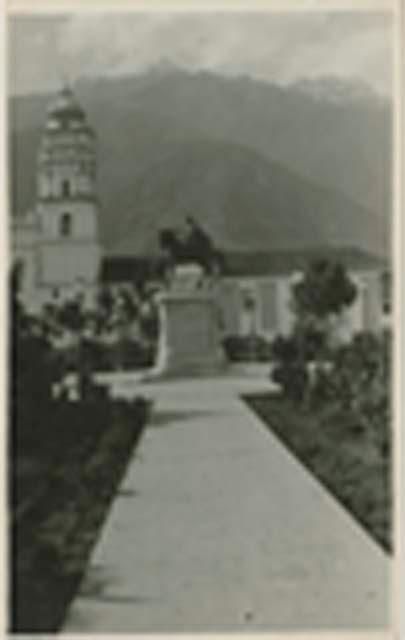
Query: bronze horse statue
196 247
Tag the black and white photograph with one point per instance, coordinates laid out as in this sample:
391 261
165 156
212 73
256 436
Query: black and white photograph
201 222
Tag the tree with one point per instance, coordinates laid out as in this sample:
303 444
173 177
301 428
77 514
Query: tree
322 294
319 297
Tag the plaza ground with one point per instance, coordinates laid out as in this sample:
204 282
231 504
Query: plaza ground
217 527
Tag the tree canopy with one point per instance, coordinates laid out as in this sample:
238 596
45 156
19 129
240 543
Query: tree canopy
326 289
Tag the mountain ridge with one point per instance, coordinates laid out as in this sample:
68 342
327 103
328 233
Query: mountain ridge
243 199
343 148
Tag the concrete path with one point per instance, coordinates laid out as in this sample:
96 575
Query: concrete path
216 527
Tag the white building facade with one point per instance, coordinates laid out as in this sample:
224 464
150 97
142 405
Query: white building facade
262 305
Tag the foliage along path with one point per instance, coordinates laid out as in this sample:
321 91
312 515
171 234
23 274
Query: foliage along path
217 527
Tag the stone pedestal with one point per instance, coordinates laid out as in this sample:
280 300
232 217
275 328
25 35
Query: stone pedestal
189 336
189 340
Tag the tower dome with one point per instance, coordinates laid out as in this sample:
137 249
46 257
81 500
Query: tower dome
65 113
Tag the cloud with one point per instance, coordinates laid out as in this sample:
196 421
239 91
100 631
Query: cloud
279 47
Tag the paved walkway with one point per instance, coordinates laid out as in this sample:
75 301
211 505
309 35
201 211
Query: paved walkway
216 527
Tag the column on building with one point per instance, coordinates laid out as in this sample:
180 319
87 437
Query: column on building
230 306
269 307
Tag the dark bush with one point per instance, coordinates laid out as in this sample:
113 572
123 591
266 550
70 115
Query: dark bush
71 315
94 354
363 355
313 343
290 368
34 369
293 379
133 354
285 349
322 388
360 372
355 379
306 344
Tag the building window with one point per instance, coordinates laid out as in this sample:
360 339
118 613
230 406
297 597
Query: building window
66 225
66 191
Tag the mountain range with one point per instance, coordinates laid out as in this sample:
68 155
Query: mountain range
259 165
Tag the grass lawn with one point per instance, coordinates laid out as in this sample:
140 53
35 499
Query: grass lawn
64 472
347 460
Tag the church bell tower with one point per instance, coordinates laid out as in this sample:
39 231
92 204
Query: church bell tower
67 203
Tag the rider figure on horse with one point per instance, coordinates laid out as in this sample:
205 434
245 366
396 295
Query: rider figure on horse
195 245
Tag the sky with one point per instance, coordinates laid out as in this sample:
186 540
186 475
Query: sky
277 47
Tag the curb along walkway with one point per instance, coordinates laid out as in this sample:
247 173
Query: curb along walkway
216 527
